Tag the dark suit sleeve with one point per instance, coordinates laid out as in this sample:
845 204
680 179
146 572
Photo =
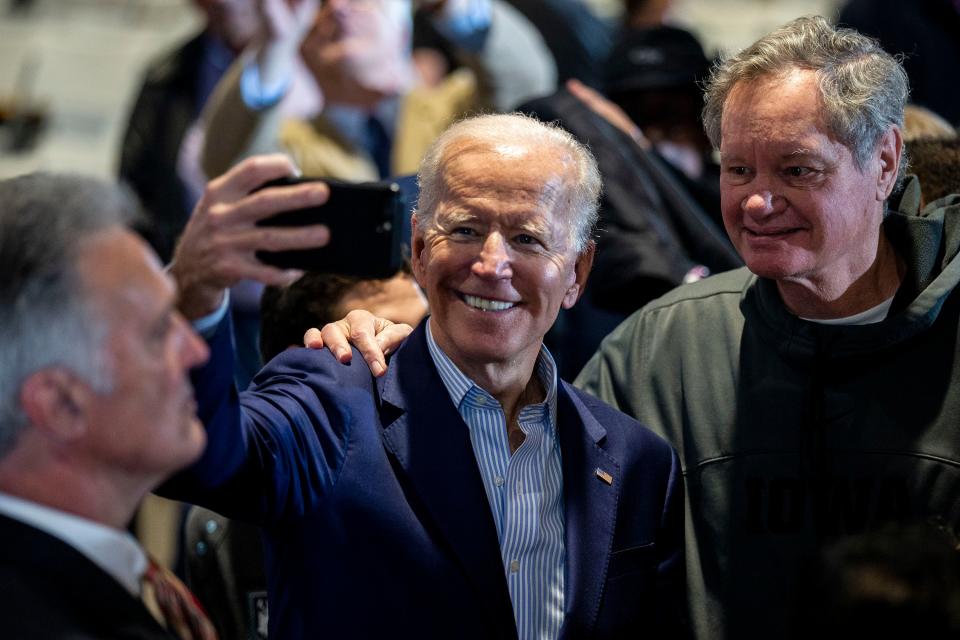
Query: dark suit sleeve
275 450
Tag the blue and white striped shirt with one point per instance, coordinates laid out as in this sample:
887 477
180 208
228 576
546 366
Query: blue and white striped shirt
525 491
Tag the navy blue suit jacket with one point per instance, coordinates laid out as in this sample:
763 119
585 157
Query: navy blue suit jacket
375 519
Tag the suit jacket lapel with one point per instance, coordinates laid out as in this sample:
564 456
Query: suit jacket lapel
429 440
590 506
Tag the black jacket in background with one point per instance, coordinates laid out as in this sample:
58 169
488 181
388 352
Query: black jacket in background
927 32
165 108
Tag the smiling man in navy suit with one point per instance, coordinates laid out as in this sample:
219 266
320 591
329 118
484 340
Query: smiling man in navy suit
466 492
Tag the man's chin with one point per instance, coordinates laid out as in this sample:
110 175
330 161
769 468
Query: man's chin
772 266
196 435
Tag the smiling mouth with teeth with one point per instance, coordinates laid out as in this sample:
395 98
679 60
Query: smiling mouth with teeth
772 233
483 304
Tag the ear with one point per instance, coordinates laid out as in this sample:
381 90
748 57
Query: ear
581 270
891 148
55 402
417 245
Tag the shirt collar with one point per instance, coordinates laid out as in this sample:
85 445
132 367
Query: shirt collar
872 315
458 384
116 552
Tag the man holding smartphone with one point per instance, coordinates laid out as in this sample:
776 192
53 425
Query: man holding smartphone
468 492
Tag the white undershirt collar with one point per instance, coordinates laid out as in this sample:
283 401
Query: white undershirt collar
872 315
115 551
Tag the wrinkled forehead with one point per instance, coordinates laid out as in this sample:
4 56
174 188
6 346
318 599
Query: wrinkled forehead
519 185
776 106
511 170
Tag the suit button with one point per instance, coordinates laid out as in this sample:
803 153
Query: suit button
514 566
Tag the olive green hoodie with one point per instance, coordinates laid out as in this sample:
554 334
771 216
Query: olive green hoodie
791 433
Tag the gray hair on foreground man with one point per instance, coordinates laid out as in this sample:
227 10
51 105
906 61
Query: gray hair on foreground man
863 89
96 409
45 316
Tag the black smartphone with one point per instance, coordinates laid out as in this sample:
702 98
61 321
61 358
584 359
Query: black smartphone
366 230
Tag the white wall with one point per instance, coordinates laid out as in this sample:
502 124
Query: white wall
730 25
81 60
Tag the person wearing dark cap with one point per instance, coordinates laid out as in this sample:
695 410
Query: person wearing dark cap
645 13
653 75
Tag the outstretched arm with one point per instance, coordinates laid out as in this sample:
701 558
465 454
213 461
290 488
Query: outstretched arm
219 245
608 110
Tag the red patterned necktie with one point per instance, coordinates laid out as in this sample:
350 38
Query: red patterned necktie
170 600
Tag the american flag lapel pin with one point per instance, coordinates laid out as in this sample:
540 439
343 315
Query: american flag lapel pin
603 475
